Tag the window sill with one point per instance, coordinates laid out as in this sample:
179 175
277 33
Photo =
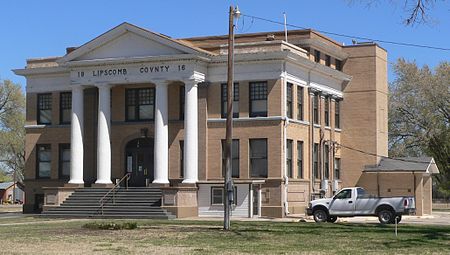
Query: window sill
317 125
338 130
35 126
303 122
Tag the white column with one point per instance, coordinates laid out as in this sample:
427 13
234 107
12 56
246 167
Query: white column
103 140
161 151
76 137
191 133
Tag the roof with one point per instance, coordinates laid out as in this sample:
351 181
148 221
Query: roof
6 185
405 164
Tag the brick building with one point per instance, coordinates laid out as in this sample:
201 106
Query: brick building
134 101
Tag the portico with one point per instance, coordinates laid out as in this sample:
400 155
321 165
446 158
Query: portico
161 126
109 61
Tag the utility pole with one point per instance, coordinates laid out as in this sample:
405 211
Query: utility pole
228 184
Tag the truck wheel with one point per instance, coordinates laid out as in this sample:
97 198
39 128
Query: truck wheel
332 219
320 216
385 216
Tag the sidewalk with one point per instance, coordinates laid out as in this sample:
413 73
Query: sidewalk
10 208
437 218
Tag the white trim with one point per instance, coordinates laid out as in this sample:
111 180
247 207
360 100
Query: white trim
134 60
327 89
295 80
272 118
303 122
120 30
35 126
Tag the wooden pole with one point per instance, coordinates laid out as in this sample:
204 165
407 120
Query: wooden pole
228 184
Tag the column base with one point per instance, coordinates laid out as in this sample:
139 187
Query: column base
189 181
160 181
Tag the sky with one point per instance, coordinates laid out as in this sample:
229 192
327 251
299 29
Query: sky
44 28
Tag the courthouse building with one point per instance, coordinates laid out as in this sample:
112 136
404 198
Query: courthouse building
309 115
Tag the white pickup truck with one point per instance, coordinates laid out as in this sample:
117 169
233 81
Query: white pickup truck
350 202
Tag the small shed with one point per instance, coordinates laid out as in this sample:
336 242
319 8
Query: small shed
11 192
408 176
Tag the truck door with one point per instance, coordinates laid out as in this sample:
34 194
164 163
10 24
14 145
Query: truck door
343 203
364 202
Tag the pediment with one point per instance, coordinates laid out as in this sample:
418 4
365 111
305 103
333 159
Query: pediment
128 41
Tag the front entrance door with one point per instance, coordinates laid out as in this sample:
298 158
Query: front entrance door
139 161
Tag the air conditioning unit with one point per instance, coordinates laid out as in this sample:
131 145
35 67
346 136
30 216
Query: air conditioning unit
324 185
335 186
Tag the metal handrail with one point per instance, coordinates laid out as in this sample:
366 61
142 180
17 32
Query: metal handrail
102 200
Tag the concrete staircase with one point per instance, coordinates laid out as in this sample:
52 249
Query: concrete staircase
134 203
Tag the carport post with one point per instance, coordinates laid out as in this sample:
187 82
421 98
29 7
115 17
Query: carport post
378 183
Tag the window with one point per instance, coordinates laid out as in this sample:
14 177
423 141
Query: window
224 98
181 159
218 195
345 194
65 106
300 103
44 161
327 60
140 104
258 99
182 100
289 100
64 161
316 108
327 111
327 161
258 158
317 56
316 160
44 109
234 158
300 159
337 114
338 64
289 171
337 168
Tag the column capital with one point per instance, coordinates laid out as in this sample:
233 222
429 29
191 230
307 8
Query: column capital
313 91
103 85
77 87
191 82
336 98
160 82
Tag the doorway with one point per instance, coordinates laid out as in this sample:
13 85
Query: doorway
139 161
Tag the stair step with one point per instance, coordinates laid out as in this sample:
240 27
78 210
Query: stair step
134 202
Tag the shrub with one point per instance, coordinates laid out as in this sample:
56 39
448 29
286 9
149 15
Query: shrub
110 225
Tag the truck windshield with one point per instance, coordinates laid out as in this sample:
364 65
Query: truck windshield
346 193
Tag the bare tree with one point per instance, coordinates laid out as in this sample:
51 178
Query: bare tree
417 11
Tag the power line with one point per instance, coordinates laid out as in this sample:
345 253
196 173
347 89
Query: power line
377 155
352 36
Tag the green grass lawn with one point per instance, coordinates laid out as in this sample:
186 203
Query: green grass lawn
207 237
